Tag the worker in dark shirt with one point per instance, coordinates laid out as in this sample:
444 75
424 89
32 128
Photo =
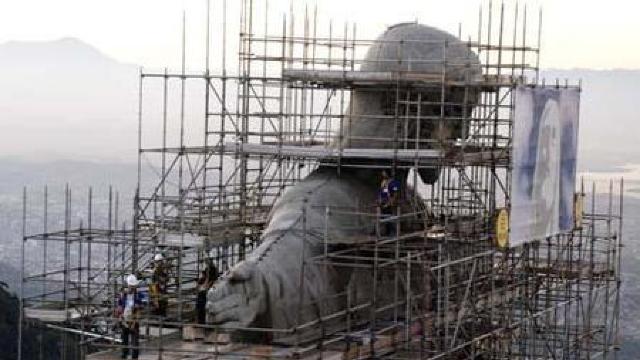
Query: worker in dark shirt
207 278
388 199
211 268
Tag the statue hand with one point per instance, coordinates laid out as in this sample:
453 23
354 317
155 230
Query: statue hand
238 297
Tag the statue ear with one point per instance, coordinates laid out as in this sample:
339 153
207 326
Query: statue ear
429 176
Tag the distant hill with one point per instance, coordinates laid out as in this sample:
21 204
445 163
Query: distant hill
66 99
54 55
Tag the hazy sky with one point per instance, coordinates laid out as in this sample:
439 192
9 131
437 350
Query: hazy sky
576 33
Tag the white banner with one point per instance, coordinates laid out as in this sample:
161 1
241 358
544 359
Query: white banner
545 139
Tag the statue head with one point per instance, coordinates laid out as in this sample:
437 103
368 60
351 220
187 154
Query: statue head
428 106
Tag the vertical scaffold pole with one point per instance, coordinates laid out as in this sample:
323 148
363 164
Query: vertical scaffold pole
22 271
182 193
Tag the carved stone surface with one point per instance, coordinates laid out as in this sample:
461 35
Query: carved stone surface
265 290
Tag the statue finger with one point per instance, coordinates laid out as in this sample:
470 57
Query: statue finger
220 291
229 315
242 272
226 303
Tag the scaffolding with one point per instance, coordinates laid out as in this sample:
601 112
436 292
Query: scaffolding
280 115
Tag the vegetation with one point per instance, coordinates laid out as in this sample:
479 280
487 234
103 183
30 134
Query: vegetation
38 342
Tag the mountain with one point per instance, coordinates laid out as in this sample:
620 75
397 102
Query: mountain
66 99
54 55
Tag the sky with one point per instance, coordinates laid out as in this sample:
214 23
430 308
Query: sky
575 33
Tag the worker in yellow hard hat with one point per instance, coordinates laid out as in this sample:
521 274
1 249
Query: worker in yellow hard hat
159 285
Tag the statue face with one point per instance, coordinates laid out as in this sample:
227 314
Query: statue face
418 49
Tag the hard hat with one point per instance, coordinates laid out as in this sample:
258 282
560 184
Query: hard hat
132 280
158 257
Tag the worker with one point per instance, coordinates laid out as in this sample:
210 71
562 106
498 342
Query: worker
388 198
212 269
128 306
207 278
159 285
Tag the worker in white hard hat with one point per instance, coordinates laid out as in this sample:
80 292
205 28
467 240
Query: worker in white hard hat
128 307
159 285
207 278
